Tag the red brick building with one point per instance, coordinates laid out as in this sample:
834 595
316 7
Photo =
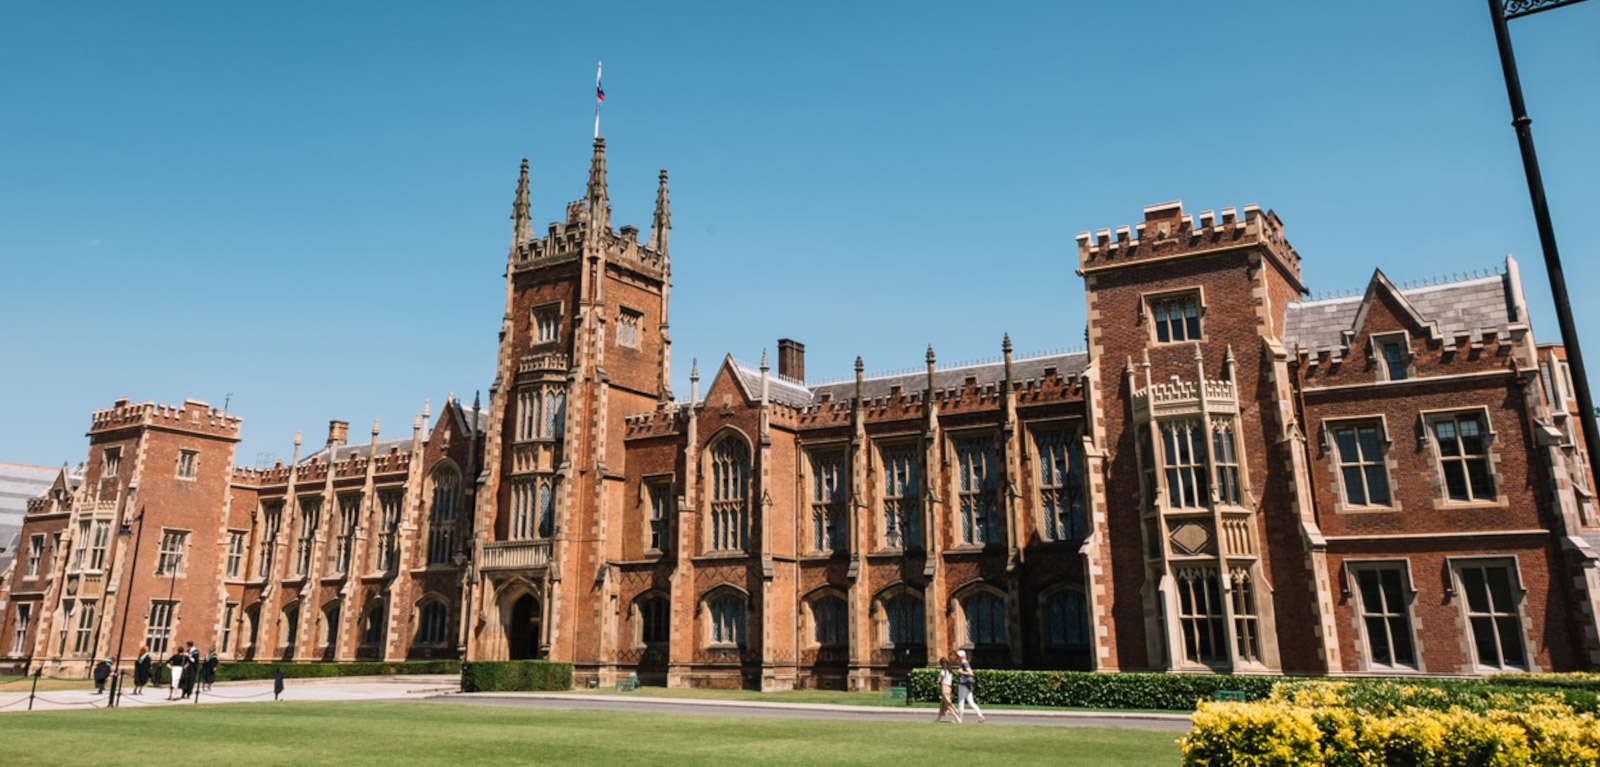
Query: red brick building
1230 477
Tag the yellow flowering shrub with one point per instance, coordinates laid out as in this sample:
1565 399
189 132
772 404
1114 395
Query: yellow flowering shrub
1342 724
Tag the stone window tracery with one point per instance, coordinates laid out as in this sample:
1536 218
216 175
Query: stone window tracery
442 514
904 615
1066 620
1061 486
628 322
1184 450
984 613
827 502
1224 456
727 619
902 519
310 513
730 487
830 619
1200 615
975 467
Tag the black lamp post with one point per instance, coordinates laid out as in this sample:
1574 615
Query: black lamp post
1503 11
127 599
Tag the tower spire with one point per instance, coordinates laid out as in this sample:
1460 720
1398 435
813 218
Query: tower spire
521 221
663 218
599 201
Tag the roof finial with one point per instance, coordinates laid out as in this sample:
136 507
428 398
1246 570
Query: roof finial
764 367
663 218
521 220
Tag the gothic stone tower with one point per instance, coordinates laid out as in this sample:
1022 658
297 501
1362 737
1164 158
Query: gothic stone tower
1220 566
582 343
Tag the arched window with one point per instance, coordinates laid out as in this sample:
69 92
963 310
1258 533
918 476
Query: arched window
330 624
1066 620
730 487
446 484
727 619
828 530
431 614
521 510
1061 486
555 414
654 614
985 614
547 508
904 614
291 626
830 621
372 625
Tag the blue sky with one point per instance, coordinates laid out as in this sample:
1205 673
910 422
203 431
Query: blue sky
306 205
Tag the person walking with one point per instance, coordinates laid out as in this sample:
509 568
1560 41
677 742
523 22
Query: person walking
102 672
141 670
208 670
191 669
967 683
946 678
175 665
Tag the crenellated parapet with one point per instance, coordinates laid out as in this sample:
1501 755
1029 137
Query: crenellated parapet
666 420
1168 233
192 416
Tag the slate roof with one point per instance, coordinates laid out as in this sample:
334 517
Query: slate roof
1484 303
789 392
19 483
346 451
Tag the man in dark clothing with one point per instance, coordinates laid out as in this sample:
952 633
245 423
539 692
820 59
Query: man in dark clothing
191 671
102 671
277 683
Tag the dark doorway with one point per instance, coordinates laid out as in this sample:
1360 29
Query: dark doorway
523 632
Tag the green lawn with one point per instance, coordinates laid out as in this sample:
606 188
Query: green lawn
46 684
397 734
835 697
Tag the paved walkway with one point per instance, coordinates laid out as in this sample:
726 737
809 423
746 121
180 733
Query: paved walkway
416 687
765 709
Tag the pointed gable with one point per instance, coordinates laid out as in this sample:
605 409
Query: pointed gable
1440 311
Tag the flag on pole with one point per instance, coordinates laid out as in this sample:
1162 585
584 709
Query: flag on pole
599 96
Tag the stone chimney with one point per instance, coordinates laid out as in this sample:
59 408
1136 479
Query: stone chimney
338 432
792 359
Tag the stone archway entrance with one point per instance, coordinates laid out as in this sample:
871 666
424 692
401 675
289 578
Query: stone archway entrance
522 628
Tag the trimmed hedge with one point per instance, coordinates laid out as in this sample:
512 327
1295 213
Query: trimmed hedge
232 672
1183 692
1572 681
1088 689
515 675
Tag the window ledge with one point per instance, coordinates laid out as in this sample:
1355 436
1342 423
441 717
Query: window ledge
842 556
1368 509
976 548
896 553
715 555
1444 505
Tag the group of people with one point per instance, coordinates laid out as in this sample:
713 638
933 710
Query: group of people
186 665
965 682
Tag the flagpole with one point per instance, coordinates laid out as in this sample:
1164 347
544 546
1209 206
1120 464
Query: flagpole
598 99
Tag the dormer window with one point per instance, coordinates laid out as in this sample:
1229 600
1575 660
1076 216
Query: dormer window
1393 354
1176 317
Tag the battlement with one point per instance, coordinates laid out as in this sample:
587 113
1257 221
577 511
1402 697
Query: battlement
566 239
542 363
1167 233
193 416
665 420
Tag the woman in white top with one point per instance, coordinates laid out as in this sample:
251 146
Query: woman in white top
946 678
966 684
